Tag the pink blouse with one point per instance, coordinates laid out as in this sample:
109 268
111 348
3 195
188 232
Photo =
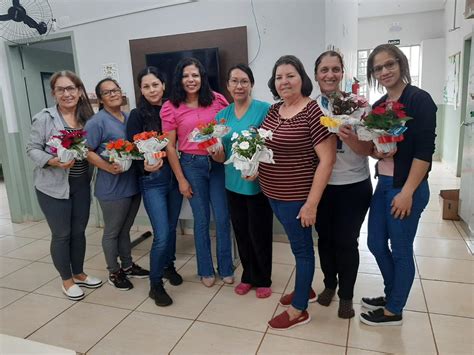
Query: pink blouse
184 119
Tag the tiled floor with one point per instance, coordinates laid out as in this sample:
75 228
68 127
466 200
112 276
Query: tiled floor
439 316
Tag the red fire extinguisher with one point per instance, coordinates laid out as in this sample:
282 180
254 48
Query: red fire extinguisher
355 86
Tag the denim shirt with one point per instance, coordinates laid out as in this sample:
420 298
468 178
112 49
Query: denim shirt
52 181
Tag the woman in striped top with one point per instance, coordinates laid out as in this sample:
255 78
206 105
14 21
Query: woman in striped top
304 154
63 189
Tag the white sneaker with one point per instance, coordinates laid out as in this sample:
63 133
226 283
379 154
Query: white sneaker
74 293
89 282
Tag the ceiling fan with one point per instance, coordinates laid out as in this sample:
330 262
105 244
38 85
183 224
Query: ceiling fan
23 20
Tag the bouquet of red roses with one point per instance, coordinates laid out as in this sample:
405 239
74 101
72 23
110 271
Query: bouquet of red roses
208 136
69 145
384 125
121 152
150 144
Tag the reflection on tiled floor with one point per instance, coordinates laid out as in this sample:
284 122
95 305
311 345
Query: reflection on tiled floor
439 316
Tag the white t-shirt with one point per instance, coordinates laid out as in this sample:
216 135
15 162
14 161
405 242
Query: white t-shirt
350 167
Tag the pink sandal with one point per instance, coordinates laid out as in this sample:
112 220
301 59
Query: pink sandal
242 288
264 292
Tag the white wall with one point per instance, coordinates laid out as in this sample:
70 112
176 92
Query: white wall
341 31
415 28
285 29
433 67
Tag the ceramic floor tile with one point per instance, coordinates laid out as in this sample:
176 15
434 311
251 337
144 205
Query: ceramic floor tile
276 344
108 295
204 338
282 254
446 269
95 258
11 228
80 327
9 265
354 351
189 271
32 251
142 333
10 243
181 260
454 335
185 244
94 238
437 230
37 231
189 299
430 216
413 337
372 286
325 326
8 296
449 298
442 248
30 277
248 312
29 313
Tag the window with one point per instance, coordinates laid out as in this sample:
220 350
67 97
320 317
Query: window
372 94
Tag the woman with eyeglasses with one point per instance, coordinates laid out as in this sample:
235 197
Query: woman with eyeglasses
338 230
200 177
402 191
304 153
117 191
250 212
63 189
159 187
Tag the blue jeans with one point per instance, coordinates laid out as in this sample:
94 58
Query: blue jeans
206 178
162 201
396 263
301 242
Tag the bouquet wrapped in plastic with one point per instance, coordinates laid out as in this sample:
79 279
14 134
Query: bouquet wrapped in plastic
384 125
150 145
249 149
121 152
69 145
345 109
208 136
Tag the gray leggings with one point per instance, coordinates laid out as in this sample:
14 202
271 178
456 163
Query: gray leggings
67 220
119 216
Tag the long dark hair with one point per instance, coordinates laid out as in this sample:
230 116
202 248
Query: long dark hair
84 109
399 56
306 85
178 95
99 93
149 112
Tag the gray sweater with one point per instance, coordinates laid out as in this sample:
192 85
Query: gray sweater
52 181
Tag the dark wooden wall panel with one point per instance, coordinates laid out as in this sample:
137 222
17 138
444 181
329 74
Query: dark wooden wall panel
232 44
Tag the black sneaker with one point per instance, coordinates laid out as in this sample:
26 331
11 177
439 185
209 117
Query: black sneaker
120 281
158 293
373 303
136 271
378 317
171 274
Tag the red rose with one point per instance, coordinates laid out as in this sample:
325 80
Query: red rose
379 110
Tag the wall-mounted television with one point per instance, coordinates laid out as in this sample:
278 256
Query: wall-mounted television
166 63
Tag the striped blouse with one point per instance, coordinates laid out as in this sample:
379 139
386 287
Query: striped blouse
80 167
293 143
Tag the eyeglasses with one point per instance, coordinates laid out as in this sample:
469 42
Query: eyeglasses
70 89
244 83
107 93
390 65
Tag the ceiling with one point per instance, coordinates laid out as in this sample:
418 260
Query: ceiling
374 8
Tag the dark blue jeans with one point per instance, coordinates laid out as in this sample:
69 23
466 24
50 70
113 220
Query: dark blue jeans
206 178
301 242
396 263
162 201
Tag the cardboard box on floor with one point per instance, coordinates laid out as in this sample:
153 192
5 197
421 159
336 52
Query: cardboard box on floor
450 202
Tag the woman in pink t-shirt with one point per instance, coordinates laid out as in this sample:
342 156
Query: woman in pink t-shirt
200 178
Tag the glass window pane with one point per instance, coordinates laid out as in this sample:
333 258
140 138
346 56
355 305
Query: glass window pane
362 54
415 61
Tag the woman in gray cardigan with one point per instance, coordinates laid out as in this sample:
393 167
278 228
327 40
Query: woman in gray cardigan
63 189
